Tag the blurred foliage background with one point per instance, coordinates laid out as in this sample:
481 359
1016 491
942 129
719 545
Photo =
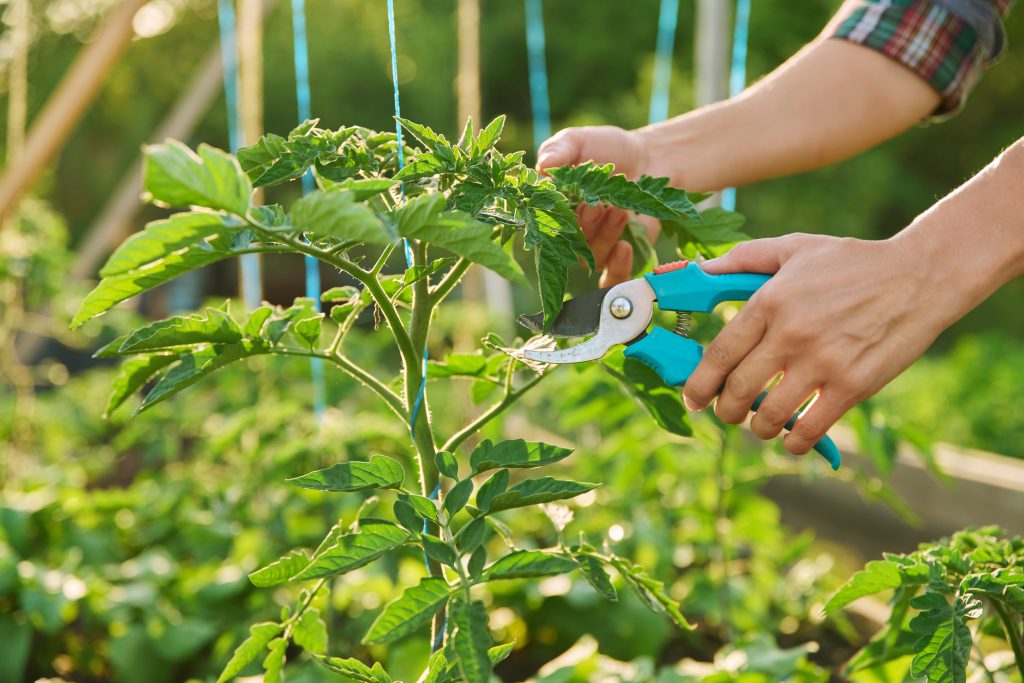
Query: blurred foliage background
115 534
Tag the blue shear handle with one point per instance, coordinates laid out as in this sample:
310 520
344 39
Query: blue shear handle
674 358
691 289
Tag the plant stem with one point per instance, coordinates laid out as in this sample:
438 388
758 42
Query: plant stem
357 373
719 521
497 409
1012 634
448 282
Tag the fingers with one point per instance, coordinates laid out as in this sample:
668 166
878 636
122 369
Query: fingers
619 266
744 384
602 226
561 149
781 404
728 349
756 256
815 422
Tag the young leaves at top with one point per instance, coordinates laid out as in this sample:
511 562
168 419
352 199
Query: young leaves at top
177 176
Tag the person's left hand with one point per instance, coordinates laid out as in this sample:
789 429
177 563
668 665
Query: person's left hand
840 317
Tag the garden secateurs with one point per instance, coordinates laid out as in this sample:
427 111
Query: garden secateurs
622 315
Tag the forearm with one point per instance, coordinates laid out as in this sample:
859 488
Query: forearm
829 102
972 242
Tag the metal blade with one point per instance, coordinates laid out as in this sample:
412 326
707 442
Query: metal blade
578 318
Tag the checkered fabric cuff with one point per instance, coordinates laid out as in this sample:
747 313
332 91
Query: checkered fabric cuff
948 43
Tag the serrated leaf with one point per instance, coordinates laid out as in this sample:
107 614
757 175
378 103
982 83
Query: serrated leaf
945 644
473 535
253 327
594 183
336 214
308 330
876 576
515 453
447 464
491 488
406 614
594 572
470 640
489 135
457 497
133 374
458 365
250 648
175 175
354 669
525 564
460 234
163 237
542 490
651 592
438 550
717 226
553 256
273 665
351 551
212 326
281 569
310 632
381 472
117 288
662 402
195 365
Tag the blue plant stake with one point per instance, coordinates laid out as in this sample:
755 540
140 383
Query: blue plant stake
539 103
668 17
738 75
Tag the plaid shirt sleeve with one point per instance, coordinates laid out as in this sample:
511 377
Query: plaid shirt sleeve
948 43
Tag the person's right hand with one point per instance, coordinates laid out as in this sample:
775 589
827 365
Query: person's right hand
602 225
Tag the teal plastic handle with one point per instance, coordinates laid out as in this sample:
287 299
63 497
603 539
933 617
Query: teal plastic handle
691 289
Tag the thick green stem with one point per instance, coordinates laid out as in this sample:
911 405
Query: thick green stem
1012 634
494 411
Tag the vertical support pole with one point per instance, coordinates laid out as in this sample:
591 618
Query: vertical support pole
738 75
480 284
250 62
19 18
668 17
712 56
539 102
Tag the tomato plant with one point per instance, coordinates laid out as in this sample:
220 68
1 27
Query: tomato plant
454 204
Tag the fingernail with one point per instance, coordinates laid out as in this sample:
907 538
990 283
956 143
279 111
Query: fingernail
689 403
709 262
590 213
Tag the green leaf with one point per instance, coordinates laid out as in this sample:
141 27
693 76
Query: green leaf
535 491
525 564
651 592
447 464
193 367
500 653
470 640
407 516
945 644
489 135
594 572
419 211
458 365
662 402
281 569
381 472
259 636
117 288
877 576
253 328
213 326
492 488
593 183
881 651
132 375
457 497
717 226
515 453
553 256
308 330
164 237
473 535
423 505
424 134
438 550
175 175
336 214
460 234
406 614
354 669
477 561
310 632
351 551
364 188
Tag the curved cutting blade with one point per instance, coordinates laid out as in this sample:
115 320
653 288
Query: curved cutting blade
579 316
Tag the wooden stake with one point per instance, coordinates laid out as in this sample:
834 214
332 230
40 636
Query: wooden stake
250 71
17 90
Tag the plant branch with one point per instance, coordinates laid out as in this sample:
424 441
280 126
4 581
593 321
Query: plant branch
510 397
362 376
1012 634
448 282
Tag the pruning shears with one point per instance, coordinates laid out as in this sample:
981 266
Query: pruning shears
622 315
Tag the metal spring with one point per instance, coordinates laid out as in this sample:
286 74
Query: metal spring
684 323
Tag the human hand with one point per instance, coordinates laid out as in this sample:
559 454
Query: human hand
840 317
603 225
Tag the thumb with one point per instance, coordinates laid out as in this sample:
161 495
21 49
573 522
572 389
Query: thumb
756 256
561 149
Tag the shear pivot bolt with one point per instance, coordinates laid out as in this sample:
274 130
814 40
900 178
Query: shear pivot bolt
621 307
